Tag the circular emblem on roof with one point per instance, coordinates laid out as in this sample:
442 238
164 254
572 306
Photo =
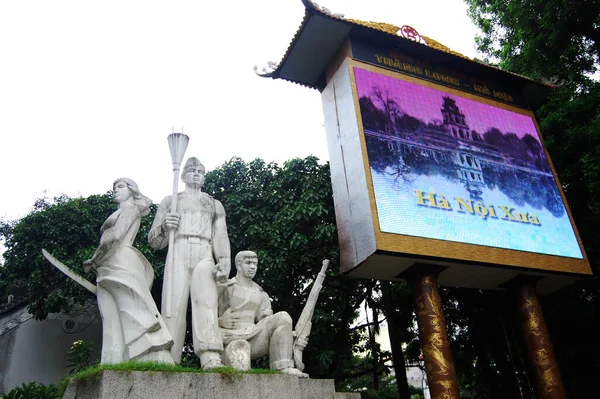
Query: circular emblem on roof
410 33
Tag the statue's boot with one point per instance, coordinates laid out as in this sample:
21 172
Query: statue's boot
210 360
294 371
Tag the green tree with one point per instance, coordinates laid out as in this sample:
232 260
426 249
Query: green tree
397 305
484 335
33 390
68 228
539 38
387 389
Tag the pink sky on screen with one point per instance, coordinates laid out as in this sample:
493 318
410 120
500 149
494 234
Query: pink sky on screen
425 103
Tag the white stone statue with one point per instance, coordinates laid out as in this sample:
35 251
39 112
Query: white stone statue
202 256
245 314
132 328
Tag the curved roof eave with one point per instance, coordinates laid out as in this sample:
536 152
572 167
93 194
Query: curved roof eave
321 34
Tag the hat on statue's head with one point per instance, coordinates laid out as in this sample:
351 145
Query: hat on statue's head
191 162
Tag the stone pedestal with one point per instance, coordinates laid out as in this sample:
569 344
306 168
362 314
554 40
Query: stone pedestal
160 385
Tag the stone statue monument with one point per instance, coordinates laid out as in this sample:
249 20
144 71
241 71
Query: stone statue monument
132 328
245 314
201 258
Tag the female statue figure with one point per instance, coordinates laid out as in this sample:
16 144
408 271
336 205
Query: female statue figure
132 328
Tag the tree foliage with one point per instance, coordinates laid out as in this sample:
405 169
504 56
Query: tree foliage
539 38
69 228
33 390
387 389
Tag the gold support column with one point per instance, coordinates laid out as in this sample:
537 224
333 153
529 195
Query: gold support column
548 383
433 335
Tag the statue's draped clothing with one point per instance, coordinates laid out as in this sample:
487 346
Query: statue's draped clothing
132 324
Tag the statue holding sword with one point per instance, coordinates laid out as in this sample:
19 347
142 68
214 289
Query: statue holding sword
132 329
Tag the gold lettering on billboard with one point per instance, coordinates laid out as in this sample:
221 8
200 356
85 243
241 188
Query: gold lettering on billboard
507 213
438 201
482 89
403 66
502 96
398 64
433 200
442 77
486 91
449 78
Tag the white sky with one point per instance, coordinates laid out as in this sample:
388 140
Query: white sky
89 90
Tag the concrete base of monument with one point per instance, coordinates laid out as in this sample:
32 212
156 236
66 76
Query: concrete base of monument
110 384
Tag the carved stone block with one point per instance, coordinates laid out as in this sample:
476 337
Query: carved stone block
237 355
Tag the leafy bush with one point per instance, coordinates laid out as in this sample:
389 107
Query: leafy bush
79 356
33 390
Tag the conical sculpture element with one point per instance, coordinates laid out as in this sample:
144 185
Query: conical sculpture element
178 143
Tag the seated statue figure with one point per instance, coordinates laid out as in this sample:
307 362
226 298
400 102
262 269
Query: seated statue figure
132 328
245 314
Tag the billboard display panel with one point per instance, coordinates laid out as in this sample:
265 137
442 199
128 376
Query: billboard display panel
450 166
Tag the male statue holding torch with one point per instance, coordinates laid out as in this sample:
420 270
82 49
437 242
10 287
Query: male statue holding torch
201 258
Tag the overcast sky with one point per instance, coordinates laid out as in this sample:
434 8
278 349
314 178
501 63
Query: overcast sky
89 90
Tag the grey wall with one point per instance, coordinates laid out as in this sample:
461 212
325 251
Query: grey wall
36 350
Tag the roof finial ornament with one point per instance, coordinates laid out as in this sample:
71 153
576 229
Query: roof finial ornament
266 71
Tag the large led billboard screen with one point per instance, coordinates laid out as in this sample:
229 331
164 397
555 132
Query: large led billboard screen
450 166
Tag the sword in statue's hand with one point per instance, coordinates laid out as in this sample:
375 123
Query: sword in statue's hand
78 279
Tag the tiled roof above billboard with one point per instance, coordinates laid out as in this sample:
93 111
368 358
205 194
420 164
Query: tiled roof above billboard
322 33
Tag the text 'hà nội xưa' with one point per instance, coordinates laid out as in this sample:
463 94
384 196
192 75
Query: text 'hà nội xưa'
502 212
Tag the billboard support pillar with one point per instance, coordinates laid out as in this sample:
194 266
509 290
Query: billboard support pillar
548 383
439 365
